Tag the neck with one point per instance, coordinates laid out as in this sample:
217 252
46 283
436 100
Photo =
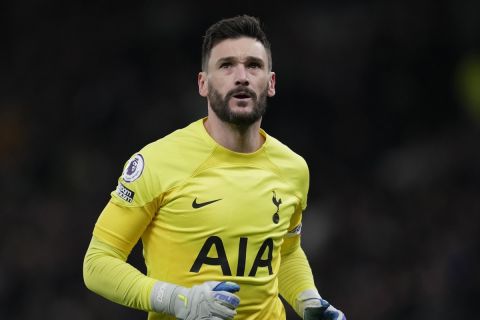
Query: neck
233 137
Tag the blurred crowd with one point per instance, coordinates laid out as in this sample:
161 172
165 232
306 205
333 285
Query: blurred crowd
382 99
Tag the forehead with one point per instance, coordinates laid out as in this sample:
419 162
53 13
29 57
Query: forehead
239 48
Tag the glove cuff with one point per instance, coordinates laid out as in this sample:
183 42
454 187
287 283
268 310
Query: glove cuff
309 298
164 296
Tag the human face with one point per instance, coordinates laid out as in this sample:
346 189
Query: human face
220 105
237 81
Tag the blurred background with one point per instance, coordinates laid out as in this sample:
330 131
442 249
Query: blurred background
382 98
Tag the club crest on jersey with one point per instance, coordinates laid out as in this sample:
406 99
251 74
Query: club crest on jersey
134 168
277 203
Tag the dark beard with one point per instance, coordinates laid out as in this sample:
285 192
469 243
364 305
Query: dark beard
220 106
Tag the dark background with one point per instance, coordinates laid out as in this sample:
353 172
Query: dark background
382 98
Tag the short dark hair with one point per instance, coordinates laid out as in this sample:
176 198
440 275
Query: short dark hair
234 28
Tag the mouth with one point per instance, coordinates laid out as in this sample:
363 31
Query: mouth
242 95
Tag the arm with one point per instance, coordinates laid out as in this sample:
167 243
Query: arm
105 269
295 276
107 273
296 283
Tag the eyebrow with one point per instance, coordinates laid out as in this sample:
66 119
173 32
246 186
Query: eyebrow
235 59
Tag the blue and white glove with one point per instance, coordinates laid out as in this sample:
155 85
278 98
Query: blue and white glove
313 307
209 300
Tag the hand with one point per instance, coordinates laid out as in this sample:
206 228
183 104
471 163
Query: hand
209 300
320 309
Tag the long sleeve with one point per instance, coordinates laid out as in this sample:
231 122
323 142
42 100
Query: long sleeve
107 273
295 276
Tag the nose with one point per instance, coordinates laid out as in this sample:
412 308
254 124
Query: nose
241 75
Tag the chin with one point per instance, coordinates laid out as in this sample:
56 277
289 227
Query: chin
243 106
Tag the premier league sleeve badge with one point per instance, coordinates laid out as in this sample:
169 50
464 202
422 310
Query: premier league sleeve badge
134 168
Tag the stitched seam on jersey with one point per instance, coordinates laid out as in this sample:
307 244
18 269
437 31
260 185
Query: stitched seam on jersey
158 197
193 174
109 237
224 165
281 175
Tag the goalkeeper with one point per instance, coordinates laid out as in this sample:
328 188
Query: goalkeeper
217 205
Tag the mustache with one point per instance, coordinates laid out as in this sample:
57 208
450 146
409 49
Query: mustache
241 90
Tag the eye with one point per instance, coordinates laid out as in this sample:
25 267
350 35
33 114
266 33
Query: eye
254 65
225 65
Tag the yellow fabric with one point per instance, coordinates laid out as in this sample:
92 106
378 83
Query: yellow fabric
234 238
106 273
121 226
295 276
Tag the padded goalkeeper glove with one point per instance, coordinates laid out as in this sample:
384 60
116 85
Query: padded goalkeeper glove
209 300
313 307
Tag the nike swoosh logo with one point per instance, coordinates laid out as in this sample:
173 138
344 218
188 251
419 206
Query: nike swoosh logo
197 205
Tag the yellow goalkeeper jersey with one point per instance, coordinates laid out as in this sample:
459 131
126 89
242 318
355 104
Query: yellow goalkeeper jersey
208 213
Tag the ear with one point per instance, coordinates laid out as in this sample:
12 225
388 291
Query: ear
202 84
271 85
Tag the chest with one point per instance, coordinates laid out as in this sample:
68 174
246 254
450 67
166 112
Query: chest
238 201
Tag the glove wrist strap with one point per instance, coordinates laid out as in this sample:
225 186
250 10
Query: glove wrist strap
164 296
307 298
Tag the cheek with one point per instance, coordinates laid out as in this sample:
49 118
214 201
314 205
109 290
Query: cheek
263 85
220 87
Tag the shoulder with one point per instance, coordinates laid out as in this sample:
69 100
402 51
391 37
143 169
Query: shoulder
284 157
291 166
184 147
184 140
171 158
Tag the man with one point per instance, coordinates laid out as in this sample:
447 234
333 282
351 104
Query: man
217 204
